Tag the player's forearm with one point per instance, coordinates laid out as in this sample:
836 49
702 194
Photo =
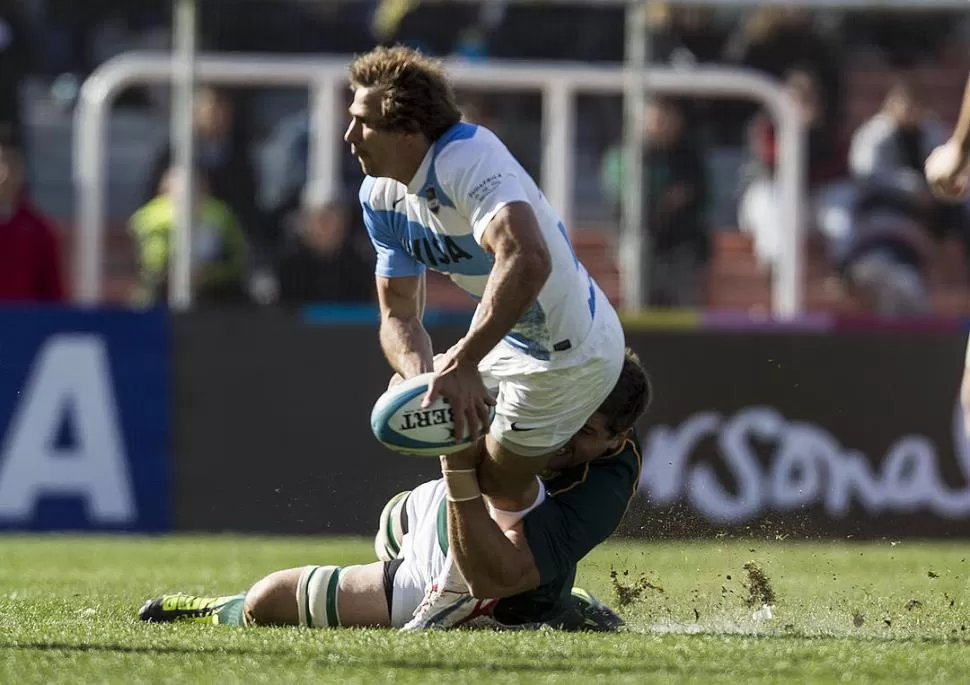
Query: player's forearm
490 562
406 346
512 288
962 131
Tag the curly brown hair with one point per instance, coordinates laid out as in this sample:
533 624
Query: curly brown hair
416 95
630 396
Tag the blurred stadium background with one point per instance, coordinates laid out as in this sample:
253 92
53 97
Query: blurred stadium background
806 349
853 54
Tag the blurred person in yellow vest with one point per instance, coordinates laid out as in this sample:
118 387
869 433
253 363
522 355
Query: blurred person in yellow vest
388 15
219 250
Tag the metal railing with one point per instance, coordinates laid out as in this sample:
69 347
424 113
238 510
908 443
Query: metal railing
559 84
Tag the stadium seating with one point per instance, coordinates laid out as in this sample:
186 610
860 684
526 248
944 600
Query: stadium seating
732 281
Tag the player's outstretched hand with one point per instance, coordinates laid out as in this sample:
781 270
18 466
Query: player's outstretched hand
461 384
946 170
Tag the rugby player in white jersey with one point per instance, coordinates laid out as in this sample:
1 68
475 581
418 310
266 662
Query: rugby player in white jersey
448 195
948 173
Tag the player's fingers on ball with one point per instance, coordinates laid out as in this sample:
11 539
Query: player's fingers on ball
483 418
458 423
471 418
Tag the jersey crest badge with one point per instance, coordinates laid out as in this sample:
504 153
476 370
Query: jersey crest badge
433 203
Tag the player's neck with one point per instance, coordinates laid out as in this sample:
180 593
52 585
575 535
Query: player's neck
409 157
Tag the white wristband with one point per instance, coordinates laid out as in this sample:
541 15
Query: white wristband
461 485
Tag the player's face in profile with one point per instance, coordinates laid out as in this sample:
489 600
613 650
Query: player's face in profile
371 145
593 441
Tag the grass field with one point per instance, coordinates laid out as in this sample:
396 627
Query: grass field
877 612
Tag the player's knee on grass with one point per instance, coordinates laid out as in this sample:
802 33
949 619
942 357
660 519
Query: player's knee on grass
320 597
333 597
316 597
304 596
272 601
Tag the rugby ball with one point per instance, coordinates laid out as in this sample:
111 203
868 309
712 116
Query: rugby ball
399 422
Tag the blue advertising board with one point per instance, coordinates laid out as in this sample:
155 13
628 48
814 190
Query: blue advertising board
84 420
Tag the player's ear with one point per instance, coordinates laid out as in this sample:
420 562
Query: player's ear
619 438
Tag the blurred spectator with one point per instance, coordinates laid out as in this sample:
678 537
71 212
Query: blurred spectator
685 35
13 66
830 191
480 110
285 168
571 32
71 38
30 256
884 259
285 172
890 148
777 40
222 155
675 202
475 110
888 152
901 38
219 249
434 28
388 15
326 256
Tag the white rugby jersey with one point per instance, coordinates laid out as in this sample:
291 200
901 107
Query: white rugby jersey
438 219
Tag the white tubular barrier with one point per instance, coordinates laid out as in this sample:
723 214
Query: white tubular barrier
183 149
558 82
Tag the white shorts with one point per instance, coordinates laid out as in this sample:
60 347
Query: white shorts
542 404
422 550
